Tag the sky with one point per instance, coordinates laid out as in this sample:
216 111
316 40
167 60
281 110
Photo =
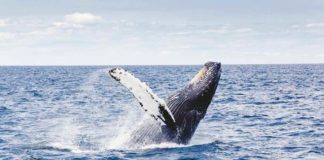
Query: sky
161 32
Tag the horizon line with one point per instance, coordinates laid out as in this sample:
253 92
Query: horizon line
80 65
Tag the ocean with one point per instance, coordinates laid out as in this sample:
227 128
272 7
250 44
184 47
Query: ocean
80 112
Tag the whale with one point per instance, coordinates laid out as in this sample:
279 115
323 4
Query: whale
175 119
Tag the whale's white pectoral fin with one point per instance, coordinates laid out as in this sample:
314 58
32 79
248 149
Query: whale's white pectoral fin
151 103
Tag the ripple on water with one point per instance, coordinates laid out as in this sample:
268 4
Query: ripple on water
4 110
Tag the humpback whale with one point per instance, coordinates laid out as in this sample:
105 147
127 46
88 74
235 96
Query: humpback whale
176 118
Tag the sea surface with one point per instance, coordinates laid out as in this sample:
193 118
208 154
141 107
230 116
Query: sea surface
79 112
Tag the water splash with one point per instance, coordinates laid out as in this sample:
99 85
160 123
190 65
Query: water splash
92 130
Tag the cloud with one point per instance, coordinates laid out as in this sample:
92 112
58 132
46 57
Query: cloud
6 35
82 18
215 30
3 22
315 25
218 29
78 20
66 25
243 30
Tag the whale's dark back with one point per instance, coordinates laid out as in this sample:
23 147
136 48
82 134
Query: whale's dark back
190 104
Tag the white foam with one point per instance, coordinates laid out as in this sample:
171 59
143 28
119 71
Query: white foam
164 145
63 134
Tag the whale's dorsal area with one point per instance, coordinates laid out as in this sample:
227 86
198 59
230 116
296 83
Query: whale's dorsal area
151 103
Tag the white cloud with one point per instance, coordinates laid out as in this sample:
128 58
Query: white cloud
82 18
6 35
78 20
315 25
66 25
242 30
3 22
215 30
181 33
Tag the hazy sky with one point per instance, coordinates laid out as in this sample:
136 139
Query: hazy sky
102 32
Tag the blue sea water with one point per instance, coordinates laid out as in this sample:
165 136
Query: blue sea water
258 112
